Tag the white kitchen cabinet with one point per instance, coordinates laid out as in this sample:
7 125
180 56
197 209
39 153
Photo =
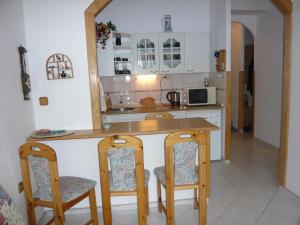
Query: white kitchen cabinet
116 59
145 52
196 52
171 52
124 117
214 117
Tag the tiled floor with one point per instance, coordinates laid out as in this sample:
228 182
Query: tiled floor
244 192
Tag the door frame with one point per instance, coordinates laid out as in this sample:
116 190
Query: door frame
285 6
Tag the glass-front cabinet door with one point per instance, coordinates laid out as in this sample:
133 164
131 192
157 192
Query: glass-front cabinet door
171 52
146 53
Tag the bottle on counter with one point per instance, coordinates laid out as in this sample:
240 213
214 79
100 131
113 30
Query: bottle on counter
108 101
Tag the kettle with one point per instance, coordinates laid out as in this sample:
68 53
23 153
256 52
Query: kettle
173 97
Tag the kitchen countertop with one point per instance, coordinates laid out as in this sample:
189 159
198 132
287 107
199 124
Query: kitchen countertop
145 127
162 108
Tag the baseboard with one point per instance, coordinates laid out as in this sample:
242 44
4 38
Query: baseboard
48 213
267 145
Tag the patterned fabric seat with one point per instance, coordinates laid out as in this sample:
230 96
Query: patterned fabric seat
185 169
179 179
70 188
122 175
9 214
129 184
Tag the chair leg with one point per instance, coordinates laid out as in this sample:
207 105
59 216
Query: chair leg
170 218
59 215
195 199
147 200
159 202
141 208
93 207
30 213
106 207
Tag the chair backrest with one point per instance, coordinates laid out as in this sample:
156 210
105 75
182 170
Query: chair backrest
43 163
125 155
159 116
180 154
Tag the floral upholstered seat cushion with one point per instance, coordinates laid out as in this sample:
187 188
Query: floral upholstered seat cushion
70 188
185 169
9 214
122 175
127 184
191 178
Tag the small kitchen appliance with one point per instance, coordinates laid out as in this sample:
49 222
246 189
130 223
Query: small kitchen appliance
200 96
173 97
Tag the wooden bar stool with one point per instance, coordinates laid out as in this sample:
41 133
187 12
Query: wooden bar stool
127 175
159 116
58 193
181 172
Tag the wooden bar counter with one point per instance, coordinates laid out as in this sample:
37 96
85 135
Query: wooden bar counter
146 127
77 153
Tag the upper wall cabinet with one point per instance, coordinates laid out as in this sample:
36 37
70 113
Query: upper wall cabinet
159 53
117 57
146 57
171 48
196 52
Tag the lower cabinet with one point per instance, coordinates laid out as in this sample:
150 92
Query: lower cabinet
212 116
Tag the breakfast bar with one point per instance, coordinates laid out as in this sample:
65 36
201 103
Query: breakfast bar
77 152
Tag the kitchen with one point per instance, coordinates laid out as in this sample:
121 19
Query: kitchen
75 93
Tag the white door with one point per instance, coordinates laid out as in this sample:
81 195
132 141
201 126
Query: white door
196 52
171 52
145 47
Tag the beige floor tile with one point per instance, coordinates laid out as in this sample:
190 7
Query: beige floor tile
224 221
242 214
274 220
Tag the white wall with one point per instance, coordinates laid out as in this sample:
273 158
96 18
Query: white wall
268 76
146 16
237 56
247 5
292 180
220 30
16 115
54 26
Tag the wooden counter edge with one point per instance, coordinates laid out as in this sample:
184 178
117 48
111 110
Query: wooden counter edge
100 133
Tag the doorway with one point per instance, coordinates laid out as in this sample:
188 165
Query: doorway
243 86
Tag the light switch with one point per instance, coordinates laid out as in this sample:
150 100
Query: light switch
43 100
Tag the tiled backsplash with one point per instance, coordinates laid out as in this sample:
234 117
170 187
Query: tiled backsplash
134 88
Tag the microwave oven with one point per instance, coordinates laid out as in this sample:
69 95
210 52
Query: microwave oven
201 96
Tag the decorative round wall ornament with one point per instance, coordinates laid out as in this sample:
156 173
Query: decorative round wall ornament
59 66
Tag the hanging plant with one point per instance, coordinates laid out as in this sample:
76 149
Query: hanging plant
103 32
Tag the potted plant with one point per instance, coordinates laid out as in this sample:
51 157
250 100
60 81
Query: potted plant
103 32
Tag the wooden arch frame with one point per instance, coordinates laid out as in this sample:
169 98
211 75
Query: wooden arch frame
285 6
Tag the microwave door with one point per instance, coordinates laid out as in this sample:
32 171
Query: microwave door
198 96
